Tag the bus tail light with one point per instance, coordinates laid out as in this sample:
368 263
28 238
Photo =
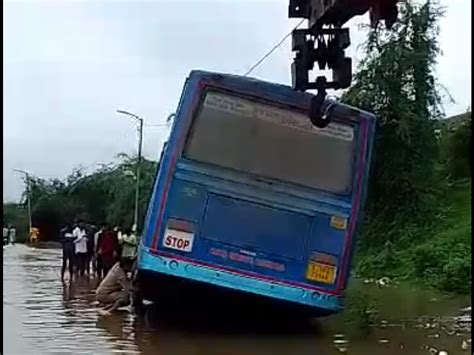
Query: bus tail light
180 225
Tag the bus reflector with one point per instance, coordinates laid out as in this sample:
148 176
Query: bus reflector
339 222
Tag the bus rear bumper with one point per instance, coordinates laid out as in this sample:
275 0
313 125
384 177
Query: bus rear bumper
215 276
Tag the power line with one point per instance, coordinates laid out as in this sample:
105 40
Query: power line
169 121
155 125
260 61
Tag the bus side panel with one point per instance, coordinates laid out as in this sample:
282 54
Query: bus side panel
370 121
163 178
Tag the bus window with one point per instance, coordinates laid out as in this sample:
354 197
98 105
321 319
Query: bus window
275 143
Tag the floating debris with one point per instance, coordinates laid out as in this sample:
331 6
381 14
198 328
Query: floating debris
384 281
383 341
463 319
340 342
433 350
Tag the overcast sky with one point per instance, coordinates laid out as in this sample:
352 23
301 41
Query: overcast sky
69 65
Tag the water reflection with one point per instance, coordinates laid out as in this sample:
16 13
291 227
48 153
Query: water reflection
43 315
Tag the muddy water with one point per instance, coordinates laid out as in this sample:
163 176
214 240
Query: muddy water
43 316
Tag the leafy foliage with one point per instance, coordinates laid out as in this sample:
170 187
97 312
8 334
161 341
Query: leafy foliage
396 81
444 259
17 216
411 230
105 196
455 148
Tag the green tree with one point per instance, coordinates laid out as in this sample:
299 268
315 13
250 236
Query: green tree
396 81
17 216
106 195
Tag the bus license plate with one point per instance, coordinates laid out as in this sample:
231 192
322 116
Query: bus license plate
321 272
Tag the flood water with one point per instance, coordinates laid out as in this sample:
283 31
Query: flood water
43 316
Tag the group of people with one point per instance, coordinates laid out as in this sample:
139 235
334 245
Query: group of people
107 252
88 250
9 234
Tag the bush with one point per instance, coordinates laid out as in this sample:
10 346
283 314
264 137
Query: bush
456 276
444 263
379 263
455 148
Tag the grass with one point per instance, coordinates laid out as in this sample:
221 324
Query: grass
438 256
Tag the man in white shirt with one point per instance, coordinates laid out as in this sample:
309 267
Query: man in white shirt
5 235
80 248
12 234
129 244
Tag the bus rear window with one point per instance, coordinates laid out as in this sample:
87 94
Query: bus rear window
270 142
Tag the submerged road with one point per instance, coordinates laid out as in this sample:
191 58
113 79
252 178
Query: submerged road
43 316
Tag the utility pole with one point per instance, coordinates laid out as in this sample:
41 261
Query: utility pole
139 159
28 196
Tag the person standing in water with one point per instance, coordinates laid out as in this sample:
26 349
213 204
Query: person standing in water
129 244
107 247
90 231
12 234
80 243
97 257
118 232
5 235
67 241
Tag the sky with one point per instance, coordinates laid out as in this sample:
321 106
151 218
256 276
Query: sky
70 64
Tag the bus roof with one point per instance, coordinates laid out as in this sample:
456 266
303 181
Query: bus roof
279 93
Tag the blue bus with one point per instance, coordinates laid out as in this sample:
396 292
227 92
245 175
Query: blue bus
250 196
